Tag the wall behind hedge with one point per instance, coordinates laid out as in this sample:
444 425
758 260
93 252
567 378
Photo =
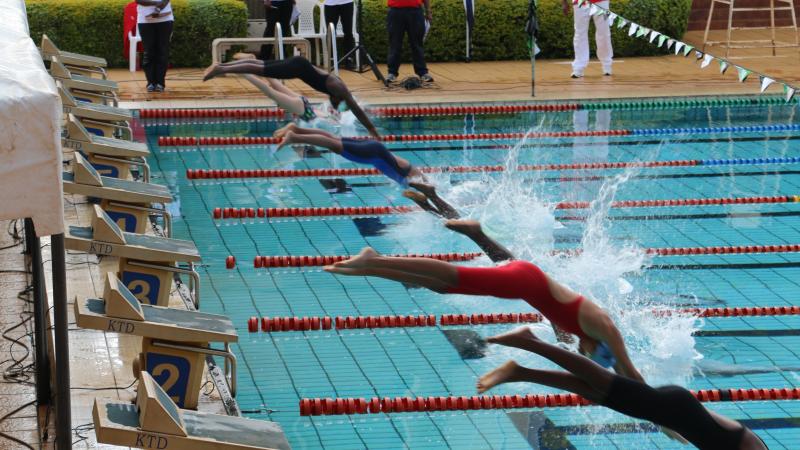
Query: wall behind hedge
94 27
499 28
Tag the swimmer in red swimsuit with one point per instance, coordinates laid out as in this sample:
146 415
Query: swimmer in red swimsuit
517 280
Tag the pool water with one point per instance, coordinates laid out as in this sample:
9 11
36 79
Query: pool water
278 369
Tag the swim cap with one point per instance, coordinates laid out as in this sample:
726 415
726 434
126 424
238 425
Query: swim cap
602 355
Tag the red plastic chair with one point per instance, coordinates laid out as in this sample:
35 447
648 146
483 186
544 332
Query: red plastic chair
131 42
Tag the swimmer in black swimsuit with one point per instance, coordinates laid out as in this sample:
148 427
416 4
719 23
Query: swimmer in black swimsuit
671 407
364 151
297 67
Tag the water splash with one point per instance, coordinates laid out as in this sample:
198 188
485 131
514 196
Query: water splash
520 214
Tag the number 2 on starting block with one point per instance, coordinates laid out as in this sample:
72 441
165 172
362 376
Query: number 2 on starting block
172 373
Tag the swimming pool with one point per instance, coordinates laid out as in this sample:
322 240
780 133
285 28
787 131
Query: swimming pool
519 208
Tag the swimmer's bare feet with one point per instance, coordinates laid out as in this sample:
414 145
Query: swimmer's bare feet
280 132
243 55
359 261
518 337
497 376
211 72
288 138
464 226
428 189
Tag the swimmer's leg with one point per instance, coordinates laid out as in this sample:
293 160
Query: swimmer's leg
301 130
472 229
444 273
394 275
584 368
448 212
320 139
511 372
251 66
422 201
289 101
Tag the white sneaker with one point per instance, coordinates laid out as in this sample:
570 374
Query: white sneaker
607 72
577 75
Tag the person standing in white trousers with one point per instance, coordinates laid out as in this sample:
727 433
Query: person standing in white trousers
581 39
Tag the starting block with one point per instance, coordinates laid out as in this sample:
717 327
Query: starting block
147 263
111 157
128 203
102 120
175 342
85 88
155 422
84 64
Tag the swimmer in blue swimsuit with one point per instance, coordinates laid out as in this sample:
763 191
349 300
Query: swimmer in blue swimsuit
361 151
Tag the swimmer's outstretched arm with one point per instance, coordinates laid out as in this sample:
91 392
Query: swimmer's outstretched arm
290 101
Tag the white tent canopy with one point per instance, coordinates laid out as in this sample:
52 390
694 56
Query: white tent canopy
30 146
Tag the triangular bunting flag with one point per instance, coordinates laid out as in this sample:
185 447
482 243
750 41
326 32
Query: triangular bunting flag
612 16
723 66
670 41
642 31
688 49
633 29
653 36
698 55
788 91
678 46
611 20
661 40
706 61
765 82
743 73
621 22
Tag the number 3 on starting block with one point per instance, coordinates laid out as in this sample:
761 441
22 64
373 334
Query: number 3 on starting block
143 286
126 221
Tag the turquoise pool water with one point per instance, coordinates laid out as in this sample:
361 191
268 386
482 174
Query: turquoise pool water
276 370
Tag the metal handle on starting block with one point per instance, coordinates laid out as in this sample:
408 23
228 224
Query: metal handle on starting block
135 161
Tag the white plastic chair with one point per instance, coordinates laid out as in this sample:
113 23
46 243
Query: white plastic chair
306 28
340 32
133 42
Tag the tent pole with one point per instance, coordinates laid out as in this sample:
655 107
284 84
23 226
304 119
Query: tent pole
61 338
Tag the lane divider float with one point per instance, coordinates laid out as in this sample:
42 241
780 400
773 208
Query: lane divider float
277 324
171 141
210 112
243 213
449 110
267 262
376 405
193 174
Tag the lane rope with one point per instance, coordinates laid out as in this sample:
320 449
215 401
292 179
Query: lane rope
315 323
376 405
193 174
243 213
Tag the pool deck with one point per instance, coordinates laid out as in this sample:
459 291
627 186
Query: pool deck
660 76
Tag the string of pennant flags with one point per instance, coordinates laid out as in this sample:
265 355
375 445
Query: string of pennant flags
661 40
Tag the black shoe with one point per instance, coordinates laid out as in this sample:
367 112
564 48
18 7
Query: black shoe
391 78
426 78
151 87
159 88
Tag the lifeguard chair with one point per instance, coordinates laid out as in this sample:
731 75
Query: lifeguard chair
773 43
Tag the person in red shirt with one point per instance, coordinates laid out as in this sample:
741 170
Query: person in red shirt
580 40
406 17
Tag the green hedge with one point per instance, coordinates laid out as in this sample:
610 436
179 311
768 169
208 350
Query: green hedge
499 28
94 27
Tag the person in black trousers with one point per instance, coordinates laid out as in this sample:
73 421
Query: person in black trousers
336 10
277 11
155 20
406 17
